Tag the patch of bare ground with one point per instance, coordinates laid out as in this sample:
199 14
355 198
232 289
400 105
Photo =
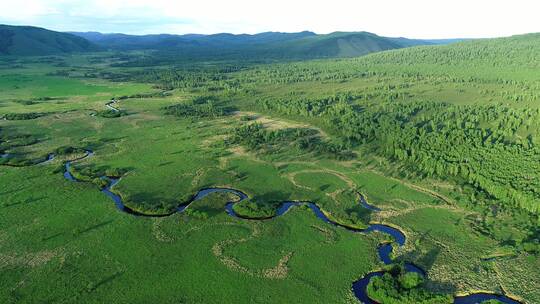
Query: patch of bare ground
241 152
280 271
197 177
333 195
223 163
230 262
443 185
30 260
238 151
158 233
206 143
273 123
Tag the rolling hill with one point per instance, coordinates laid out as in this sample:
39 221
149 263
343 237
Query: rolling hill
343 44
32 41
273 45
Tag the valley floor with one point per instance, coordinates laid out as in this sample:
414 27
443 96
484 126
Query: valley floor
65 242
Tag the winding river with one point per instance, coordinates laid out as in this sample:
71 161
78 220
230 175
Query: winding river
358 287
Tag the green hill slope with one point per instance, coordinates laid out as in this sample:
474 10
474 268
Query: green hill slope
520 51
340 44
30 41
506 59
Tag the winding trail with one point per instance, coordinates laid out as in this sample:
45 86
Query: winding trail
359 287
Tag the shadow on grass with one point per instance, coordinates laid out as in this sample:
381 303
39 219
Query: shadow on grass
272 198
441 287
93 227
359 212
52 236
26 201
11 191
96 144
324 187
105 280
425 260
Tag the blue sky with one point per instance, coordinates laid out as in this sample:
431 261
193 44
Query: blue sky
407 18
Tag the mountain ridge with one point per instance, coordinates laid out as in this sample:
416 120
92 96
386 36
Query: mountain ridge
299 45
29 40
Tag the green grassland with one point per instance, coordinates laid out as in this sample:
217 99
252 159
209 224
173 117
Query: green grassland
69 244
414 131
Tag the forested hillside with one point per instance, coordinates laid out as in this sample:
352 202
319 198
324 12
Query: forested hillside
34 41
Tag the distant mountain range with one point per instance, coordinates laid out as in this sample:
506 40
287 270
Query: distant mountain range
269 44
27 40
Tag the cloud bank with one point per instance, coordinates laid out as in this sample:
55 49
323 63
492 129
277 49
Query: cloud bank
412 18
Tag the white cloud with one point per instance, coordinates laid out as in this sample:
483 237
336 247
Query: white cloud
25 10
412 18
